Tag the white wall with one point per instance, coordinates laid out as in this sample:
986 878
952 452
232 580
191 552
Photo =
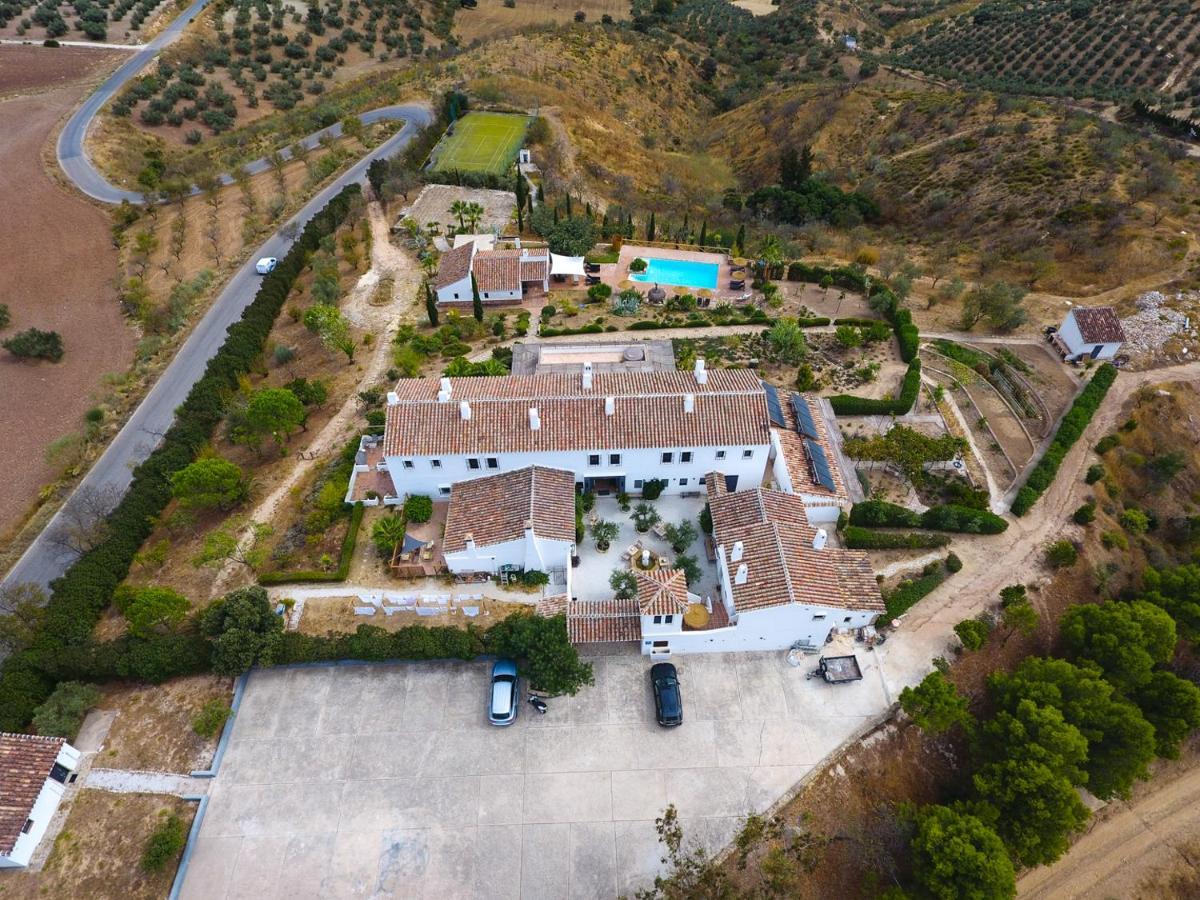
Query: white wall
775 628
43 811
635 465
528 552
459 290
494 296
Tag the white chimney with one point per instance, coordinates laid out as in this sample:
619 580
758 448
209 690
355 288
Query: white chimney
464 410
587 376
736 553
742 574
393 398
820 538
689 403
701 373
535 421
610 405
445 386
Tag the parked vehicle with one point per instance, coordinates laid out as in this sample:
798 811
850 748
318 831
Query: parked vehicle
837 669
266 265
668 704
502 701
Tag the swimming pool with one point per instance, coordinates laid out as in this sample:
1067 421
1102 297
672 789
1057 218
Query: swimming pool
679 273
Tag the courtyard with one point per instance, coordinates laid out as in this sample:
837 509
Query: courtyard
386 780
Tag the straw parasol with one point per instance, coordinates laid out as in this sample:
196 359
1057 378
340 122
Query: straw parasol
704 292
696 616
625 285
739 262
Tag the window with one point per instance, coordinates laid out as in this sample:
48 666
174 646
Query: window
472 463
59 773
435 463
593 459
658 620
668 457
493 463
408 463
720 454
747 454
444 490
614 459
637 484
669 619
847 619
683 482
456 296
27 827
685 456
661 645
819 617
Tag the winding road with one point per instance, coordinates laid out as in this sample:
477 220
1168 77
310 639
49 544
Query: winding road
111 474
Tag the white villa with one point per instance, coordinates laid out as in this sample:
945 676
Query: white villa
1089 332
509 454
502 276
34 774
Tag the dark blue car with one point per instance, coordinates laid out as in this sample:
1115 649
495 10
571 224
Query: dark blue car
668 704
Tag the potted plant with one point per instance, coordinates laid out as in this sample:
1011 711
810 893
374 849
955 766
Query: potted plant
638 265
604 532
645 517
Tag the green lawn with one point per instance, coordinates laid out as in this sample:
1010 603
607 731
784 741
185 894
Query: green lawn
482 142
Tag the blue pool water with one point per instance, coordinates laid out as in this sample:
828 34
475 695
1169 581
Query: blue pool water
679 272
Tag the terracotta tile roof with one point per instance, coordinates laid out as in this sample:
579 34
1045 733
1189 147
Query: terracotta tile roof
796 456
603 621
549 607
1098 325
25 763
497 508
535 268
777 548
661 592
454 265
648 411
495 271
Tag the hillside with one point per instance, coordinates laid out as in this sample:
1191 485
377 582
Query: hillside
1069 48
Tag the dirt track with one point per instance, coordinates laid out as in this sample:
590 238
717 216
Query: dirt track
58 270
1139 841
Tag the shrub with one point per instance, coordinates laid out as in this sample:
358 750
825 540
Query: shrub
209 482
164 845
418 508
881 514
858 538
973 633
5 316
909 592
1070 429
1107 442
1086 514
534 578
638 265
652 488
64 711
33 343
1094 473
543 652
211 718
1134 521
1114 540
951 517
953 563
1061 553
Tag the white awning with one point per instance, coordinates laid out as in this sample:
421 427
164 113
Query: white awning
566 265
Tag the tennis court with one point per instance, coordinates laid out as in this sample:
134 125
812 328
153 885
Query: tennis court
482 142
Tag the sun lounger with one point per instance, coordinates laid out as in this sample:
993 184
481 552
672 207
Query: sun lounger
426 611
364 610
470 611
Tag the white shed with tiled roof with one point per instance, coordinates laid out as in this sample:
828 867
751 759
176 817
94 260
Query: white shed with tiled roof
1090 333
34 774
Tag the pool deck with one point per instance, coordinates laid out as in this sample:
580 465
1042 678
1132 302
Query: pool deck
614 274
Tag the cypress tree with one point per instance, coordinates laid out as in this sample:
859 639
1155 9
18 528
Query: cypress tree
740 243
650 228
568 205
703 234
476 303
431 309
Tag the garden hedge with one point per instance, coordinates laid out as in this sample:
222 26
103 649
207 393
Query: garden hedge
947 517
859 538
341 573
1070 429
906 596
850 405
79 597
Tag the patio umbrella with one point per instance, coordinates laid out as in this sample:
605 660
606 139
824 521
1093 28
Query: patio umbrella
696 616
625 285
704 292
739 262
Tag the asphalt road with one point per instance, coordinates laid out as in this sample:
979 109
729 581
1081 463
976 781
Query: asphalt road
44 561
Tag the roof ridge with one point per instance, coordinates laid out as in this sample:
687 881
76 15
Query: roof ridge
787 572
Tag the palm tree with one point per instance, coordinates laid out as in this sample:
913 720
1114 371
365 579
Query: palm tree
459 208
770 254
387 533
473 212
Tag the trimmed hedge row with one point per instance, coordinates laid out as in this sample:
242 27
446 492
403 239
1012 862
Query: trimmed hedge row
341 573
83 592
372 643
947 517
859 538
909 593
1070 429
850 405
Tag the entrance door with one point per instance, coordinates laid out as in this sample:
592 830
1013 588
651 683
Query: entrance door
1096 350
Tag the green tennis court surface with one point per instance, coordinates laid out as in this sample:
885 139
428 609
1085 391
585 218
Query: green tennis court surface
482 142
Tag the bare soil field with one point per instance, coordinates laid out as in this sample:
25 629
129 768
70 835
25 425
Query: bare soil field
58 271
98 849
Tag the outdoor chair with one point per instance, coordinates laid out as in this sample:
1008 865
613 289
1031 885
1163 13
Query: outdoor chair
364 610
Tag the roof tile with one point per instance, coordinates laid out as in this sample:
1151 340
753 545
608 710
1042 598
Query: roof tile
25 763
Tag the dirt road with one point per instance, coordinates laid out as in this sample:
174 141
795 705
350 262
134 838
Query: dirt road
58 270
1145 839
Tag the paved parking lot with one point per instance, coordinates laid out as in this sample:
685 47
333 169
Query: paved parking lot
386 780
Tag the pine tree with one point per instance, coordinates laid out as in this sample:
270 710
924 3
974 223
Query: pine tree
476 303
431 309
650 228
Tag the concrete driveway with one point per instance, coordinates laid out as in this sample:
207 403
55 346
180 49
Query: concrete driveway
385 780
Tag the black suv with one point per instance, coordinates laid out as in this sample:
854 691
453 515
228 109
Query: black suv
668 705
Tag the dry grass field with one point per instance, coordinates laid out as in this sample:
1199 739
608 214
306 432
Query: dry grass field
492 19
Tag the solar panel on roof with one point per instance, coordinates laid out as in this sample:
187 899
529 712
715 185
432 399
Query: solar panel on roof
804 420
774 410
820 464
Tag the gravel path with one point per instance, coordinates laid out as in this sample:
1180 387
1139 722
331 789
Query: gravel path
125 781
